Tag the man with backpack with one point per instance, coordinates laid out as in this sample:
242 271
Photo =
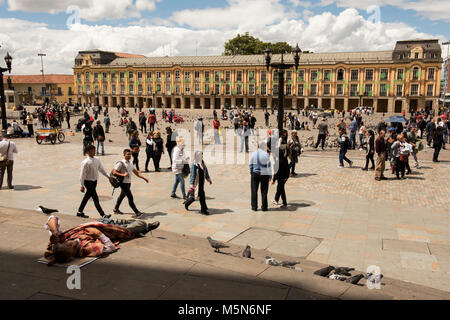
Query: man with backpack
90 168
344 144
131 127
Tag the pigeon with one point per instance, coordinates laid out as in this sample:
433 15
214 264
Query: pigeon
335 276
355 279
109 140
272 262
324 272
46 210
216 244
343 271
247 252
289 263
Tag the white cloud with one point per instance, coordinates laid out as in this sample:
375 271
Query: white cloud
90 10
251 14
347 31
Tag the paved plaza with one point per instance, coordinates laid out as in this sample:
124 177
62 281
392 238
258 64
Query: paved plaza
335 216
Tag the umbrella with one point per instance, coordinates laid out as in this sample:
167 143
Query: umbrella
396 119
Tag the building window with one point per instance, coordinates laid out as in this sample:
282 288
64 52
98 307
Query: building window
239 89
263 89
70 90
414 89
158 89
113 88
168 89
11 99
122 76
59 92
140 89
326 89
430 88
313 90
177 75
207 76
105 89
275 89
79 90
239 76
300 90
313 75
187 89
187 76
79 77
86 77
251 89
340 75
275 76
263 75
340 90
149 89
369 75
131 89
88 89
416 55
227 89
139 76
168 76
158 76
415 74
217 89
251 75
301 75
354 75
177 89
122 89
289 75
384 75
197 76
431 74
399 90
400 74
130 76
95 77
207 88
368 90
354 90
197 88
383 90
149 76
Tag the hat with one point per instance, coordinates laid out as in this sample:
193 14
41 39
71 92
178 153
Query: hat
200 119
392 129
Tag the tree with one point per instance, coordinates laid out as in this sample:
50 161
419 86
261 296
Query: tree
247 45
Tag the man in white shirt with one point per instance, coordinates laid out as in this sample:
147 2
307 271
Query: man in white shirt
7 147
90 168
124 169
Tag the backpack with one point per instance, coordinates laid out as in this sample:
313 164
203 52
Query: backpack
115 180
347 142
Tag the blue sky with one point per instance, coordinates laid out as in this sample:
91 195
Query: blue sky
164 27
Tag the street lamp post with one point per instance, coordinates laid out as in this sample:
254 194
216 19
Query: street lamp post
8 60
360 100
42 71
281 66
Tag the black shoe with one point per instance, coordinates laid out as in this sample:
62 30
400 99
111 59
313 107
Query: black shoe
117 211
152 226
11 188
206 213
146 170
174 196
106 216
364 169
264 210
82 215
138 214
158 170
384 178
254 209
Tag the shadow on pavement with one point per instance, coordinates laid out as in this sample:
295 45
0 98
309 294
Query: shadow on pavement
26 187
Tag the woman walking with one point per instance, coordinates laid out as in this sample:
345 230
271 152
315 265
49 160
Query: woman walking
199 173
135 144
399 160
179 160
370 145
295 149
438 142
170 143
283 172
99 136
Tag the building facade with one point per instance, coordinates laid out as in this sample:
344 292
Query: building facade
34 89
406 78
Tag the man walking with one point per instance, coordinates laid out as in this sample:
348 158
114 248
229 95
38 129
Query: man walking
244 133
7 148
323 131
380 149
353 128
90 168
124 169
344 144
152 120
260 171
143 122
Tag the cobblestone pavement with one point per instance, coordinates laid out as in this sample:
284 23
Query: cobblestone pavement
401 226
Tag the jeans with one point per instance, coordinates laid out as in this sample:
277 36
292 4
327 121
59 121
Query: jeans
152 127
256 180
101 144
126 192
244 139
91 192
156 158
178 180
353 140
136 160
322 138
361 139
281 192
342 157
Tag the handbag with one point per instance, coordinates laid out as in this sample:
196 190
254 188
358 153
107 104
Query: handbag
4 160
186 170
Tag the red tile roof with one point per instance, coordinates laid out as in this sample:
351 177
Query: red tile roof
128 55
32 79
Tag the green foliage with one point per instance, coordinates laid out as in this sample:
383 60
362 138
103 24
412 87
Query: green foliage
248 45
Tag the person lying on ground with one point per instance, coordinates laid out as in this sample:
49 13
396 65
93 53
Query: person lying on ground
92 239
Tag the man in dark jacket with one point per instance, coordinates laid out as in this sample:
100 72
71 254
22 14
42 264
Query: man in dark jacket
382 126
430 128
380 149
143 122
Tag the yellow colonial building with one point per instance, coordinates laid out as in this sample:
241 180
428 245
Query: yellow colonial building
406 78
